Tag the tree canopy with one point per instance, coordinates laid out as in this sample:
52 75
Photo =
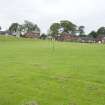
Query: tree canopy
29 26
68 26
101 31
18 29
54 29
81 30
14 27
64 26
93 34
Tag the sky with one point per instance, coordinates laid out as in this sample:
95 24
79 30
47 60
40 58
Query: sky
90 13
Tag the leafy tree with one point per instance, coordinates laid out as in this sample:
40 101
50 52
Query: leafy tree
0 28
18 29
43 36
68 26
13 27
101 31
81 30
93 34
29 27
63 26
54 29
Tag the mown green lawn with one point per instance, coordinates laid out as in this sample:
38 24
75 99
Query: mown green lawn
66 74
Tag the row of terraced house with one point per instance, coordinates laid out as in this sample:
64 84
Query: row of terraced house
63 37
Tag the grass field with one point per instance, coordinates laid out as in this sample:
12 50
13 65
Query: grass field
67 74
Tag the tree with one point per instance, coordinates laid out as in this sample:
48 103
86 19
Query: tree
43 36
101 31
0 28
68 26
54 29
18 30
29 27
81 30
15 29
63 26
93 34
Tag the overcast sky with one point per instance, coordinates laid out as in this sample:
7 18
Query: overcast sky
90 13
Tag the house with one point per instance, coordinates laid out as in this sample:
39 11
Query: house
86 39
66 37
32 35
2 32
100 39
5 32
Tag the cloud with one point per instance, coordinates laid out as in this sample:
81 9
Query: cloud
44 12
